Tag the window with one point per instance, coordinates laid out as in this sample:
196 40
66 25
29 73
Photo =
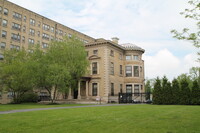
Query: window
111 53
136 90
52 29
38 34
14 47
32 22
141 87
24 18
5 11
120 70
43 94
128 88
0 92
95 52
17 16
136 71
94 89
135 57
128 71
94 68
120 56
85 41
30 50
87 53
1 57
111 68
69 35
3 34
2 45
4 23
0 9
39 24
45 45
46 27
31 41
112 89
15 37
128 57
10 94
32 32
24 28
16 26
45 36
52 38
121 88
60 32
23 39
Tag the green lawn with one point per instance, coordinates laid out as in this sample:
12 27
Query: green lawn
113 119
7 107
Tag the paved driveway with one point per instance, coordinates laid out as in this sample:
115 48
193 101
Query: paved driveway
28 110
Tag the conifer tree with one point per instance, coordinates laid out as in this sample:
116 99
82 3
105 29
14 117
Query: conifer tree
175 92
148 89
166 91
184 93
195 94
157 98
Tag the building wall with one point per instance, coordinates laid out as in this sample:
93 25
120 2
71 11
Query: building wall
104 78
39 27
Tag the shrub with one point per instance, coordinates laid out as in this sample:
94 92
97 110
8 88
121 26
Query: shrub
29 97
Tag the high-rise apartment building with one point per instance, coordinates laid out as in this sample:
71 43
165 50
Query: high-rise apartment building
23 28
113 67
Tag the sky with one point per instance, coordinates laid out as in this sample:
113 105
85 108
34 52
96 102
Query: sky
145 23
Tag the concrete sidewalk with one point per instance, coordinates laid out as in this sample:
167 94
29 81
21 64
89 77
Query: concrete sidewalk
37 109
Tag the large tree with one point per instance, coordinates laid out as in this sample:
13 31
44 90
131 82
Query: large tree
16 73
187 34
62 65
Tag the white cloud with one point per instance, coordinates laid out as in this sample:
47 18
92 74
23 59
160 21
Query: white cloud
146 23
165 63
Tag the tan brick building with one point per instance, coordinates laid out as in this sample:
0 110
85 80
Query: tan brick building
113 68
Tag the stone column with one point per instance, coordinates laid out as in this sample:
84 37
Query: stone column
87 88
79 89
70 94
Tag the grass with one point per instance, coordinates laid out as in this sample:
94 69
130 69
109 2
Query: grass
7 107
112 119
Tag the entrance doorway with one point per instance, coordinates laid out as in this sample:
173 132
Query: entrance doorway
75 94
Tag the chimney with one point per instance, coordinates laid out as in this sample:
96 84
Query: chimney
115 39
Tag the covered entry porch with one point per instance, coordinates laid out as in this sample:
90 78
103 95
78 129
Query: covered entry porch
82 92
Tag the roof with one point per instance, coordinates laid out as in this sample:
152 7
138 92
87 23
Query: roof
130 46
126 46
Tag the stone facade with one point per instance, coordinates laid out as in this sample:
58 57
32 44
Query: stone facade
112 75
113 68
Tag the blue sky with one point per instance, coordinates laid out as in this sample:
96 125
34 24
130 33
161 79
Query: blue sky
146 23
